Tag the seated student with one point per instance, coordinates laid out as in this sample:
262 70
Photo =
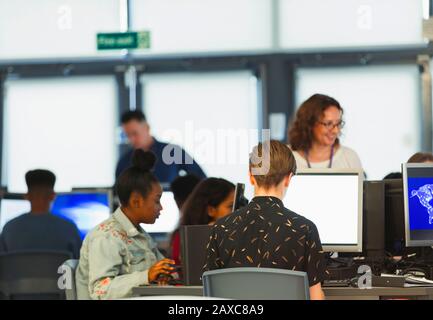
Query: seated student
39 229
118 254
393 175
181 187
210 200
264 233
421 157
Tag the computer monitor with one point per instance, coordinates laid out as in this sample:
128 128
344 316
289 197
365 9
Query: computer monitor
332 200
86 208
418 204
193 241
240 200
12 206
168 220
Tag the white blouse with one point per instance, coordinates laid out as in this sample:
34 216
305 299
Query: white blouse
344 158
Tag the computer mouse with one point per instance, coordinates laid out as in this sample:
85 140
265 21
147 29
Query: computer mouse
176 267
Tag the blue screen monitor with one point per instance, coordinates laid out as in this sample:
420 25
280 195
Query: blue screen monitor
85 209
418 204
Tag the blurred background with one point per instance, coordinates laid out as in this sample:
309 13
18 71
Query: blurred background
209 75
210 64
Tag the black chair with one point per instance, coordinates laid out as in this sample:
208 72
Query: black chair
31 275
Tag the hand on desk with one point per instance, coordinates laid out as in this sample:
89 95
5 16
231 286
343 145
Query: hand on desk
162 267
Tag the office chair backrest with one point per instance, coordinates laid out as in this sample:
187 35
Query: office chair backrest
68 268
256 284
31 274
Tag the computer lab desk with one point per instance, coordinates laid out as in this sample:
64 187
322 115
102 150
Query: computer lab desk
376 293
336 293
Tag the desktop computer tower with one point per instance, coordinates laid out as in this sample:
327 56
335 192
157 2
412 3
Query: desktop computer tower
374 219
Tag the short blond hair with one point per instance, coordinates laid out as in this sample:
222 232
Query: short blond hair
276 158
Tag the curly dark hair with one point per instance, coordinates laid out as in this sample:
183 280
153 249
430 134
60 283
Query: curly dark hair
209 192
300 134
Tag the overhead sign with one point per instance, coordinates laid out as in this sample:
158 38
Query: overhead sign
123 40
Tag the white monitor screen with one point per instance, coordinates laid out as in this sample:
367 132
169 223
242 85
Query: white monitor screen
333 202
168 220
12 208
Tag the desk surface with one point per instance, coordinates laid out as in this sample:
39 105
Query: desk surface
356 293
331 293
168 290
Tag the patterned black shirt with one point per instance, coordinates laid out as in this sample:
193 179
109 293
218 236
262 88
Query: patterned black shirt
266 234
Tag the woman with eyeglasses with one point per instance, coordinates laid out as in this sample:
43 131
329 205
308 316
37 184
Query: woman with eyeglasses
314 135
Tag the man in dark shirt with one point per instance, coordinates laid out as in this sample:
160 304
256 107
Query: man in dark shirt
39 229
171 159
265 233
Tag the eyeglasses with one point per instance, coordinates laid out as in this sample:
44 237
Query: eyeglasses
330 125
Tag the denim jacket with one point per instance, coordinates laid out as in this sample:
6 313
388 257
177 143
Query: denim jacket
115 257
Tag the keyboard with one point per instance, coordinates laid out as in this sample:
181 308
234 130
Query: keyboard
336 283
